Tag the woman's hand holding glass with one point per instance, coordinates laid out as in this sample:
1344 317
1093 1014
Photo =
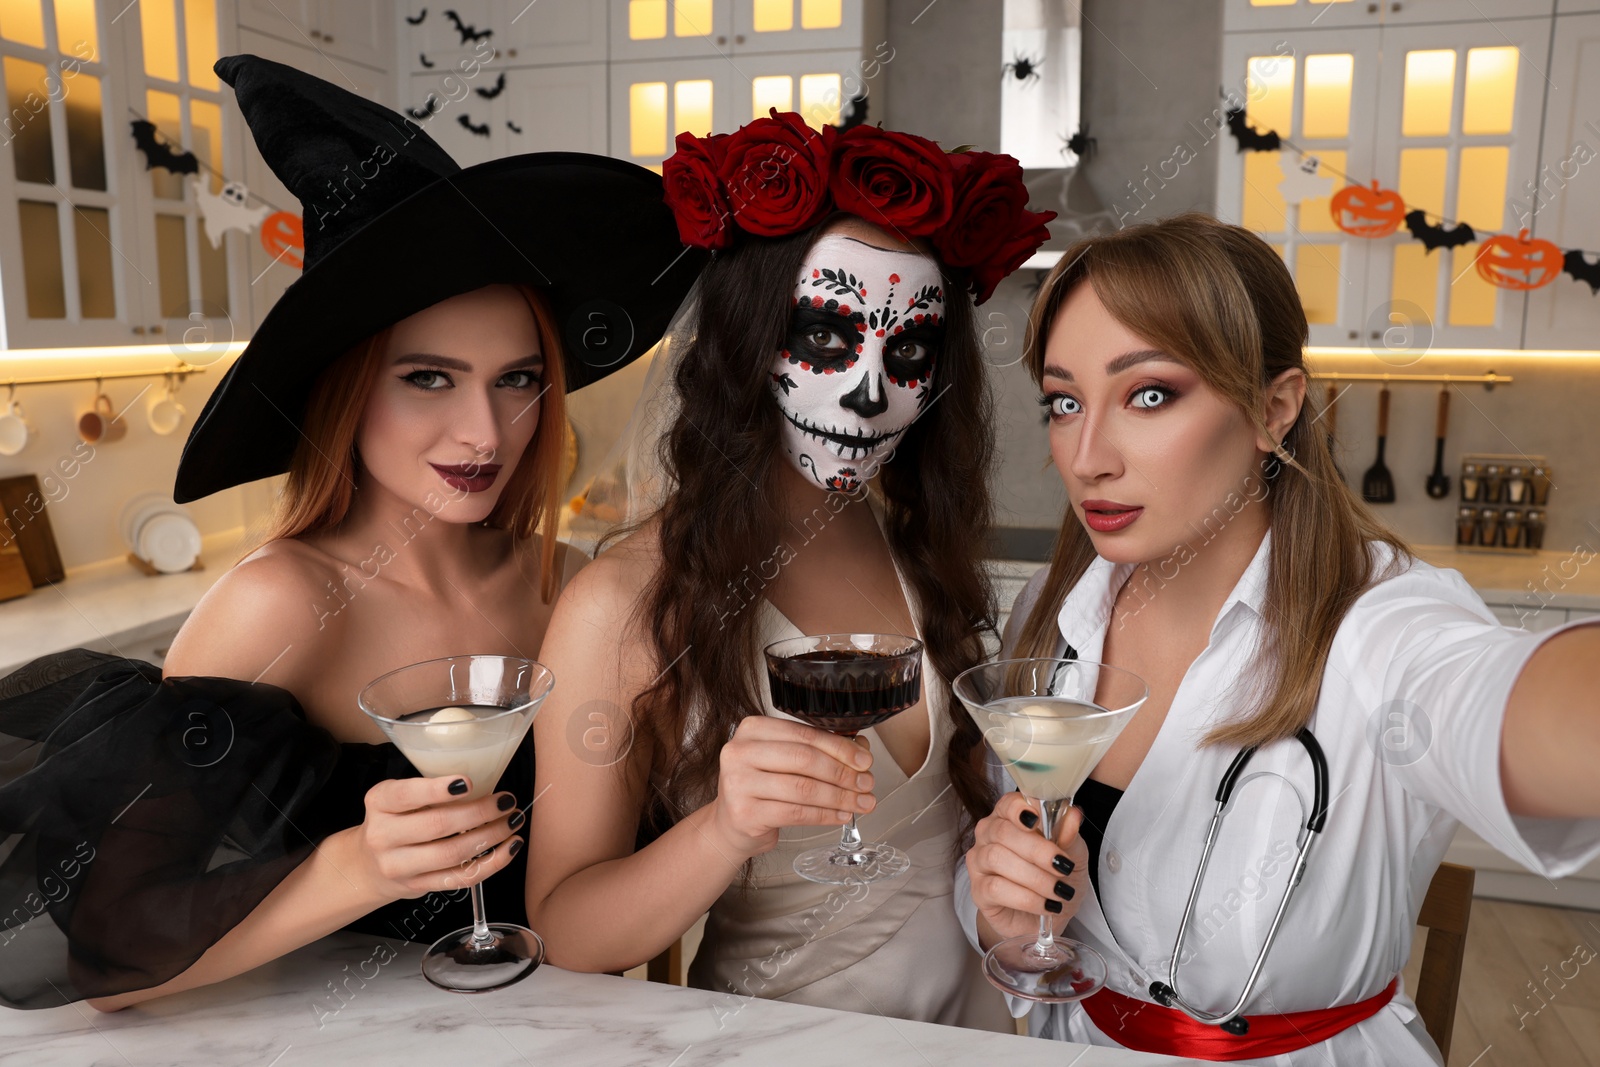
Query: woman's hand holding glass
1017 874
776 773
419 838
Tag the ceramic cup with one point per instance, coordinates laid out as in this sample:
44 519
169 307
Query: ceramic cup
101 425
165 413
14 429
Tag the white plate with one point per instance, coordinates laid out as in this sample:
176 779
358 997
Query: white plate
140 509
170 542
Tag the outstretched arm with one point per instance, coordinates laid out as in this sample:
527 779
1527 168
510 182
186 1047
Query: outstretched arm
1550 744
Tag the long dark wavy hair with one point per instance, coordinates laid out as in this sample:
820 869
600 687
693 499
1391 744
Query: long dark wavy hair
722 520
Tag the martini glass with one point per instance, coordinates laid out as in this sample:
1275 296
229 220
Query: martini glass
844 683
1040 718
464 716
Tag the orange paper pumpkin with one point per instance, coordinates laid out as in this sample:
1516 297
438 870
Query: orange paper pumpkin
1367 212
1519 262
283 236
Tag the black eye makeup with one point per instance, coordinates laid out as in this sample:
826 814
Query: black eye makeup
823 340
908 356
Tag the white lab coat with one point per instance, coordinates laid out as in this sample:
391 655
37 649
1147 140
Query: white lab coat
1409 718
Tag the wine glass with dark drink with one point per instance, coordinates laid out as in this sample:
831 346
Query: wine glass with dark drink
844 683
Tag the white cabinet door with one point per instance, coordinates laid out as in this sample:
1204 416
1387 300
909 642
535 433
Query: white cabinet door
290 19
1458 123
1299 15
358 30
1321 97
555 109
438 43
467 126
761 26
1564 314
1414 12
665 29
550 31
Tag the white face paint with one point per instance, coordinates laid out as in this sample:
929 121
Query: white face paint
857 366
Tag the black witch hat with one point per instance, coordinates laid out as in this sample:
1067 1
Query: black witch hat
393 225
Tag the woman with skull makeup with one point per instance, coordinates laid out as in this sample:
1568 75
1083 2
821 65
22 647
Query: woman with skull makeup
825 471
1211 549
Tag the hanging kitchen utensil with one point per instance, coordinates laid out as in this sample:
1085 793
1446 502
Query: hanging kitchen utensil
1330 411
1439 481
1377 485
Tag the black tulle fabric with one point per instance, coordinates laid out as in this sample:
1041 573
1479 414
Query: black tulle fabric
142 819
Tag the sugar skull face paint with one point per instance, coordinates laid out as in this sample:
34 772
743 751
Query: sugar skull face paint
857 366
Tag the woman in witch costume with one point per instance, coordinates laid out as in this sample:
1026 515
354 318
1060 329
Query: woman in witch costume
826 472
164 833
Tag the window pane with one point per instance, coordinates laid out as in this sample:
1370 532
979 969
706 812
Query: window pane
1270 93
1416 278
820 98
76 31
159 25
773 15
691 18
41 260
691 103
205 127
22 21
1327 99
172 265
1481 186
1491 94
1422 179
29 121
647 119
1472 300
775 90
1272 3
97 295
1316 216
1430 91
1316 275
86 146
162 109
213 279
200 32
647 19
1263 203
821 14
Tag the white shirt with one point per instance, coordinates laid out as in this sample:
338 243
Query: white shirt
1409 717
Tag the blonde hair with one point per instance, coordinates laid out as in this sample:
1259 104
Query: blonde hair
321 482
1220 299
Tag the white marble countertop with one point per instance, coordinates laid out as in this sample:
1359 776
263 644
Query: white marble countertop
343 1000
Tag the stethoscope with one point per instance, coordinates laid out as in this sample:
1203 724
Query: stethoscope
1166 993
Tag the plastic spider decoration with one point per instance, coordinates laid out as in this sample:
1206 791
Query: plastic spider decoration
1080 144
1023 68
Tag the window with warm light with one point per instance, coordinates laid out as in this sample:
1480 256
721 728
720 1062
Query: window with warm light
820 98
651 126
647 19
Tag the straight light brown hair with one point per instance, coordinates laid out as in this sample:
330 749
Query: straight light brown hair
321 482
1219 298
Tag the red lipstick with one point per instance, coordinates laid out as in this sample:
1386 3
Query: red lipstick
1108 516
468 477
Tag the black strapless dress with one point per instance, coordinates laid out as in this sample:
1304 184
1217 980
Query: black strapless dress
142 819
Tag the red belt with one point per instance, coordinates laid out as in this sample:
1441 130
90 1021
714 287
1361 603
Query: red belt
1146 1027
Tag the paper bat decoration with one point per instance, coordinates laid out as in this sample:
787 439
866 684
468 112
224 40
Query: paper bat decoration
226 210
418 20
498 87
1250 139
1433 236
513 127
429 108
1575 264
468 33
159 153
481 129
422 57
1301 180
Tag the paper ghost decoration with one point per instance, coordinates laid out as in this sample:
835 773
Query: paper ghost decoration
226 210
1301 180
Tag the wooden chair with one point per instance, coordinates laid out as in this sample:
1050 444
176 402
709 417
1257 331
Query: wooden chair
667 967
1445 912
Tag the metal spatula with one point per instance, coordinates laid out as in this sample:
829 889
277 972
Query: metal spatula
1377 485
1439 481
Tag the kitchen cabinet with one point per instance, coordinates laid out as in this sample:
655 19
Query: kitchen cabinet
1294 15
537 109
670 29
360 31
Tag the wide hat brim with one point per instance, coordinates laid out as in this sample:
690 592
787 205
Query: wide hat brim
592 233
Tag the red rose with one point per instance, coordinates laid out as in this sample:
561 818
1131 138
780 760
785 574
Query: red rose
894 180
694 192
775 174
990 201
1021 243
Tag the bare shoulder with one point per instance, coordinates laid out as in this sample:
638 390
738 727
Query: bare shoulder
608 588
270 603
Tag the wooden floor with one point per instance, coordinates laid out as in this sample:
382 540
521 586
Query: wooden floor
1513 950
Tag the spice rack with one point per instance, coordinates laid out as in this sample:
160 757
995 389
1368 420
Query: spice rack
1502 502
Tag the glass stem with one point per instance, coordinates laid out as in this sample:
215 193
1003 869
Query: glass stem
1049 812
481 936
850 837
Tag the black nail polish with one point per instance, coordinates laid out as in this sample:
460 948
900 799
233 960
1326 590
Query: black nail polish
516 846
506 802
1053 907
1064 891
518 819
1028 819
1062 864
458 787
